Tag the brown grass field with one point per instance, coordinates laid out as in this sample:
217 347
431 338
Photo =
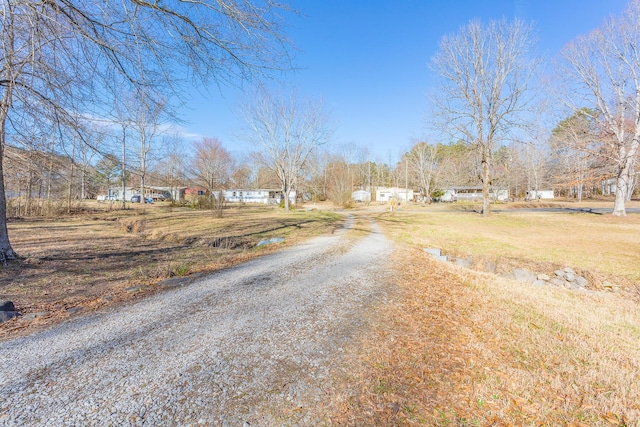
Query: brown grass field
455 346
101 256
468 348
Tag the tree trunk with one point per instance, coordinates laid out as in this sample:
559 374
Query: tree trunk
285 194
28 192
486 184
622 188
5 245
623 181
123 176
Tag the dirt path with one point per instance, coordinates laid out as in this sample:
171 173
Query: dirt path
258 344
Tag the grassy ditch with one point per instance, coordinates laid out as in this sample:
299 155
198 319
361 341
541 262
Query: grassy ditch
467 348
603 244
102 256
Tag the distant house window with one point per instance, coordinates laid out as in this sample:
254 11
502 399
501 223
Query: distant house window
234 194
200 192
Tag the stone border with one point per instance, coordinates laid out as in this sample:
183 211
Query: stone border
564 278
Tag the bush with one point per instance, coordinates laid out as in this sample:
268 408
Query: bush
130 225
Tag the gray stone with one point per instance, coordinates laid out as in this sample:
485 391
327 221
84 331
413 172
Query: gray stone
74 310
581 281
539 283
612 287
270 241
7 306
173 282
543 277
132 289
31 316
433 251
6 315
522 275
464 262
559 273
556 282
569 277
440 257
569 270
490 267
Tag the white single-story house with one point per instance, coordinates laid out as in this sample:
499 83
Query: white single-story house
115 193
361 196
156 193
448 196
475 194
168 193
385 194
539 195
264 196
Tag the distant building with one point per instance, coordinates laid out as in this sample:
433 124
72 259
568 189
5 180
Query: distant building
154 192
385 194
472 194
539 195
263 196
361 196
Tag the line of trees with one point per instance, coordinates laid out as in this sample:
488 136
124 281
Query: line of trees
488 91
65 64
86 90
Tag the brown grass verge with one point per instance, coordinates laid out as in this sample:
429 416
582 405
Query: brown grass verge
102 257
469 349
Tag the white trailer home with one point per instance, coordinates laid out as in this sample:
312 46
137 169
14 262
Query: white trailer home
263 196
448 196
384 194
473 194
361 196
539 195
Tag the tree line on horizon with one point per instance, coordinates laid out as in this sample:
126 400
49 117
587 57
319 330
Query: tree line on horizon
87 92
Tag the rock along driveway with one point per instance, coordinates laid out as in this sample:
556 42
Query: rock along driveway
257 344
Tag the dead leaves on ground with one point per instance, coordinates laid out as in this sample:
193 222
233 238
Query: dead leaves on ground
432 362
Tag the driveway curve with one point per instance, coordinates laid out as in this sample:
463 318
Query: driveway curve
256 344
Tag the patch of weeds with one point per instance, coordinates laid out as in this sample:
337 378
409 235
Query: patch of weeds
180 270
442 419
382 387
411 412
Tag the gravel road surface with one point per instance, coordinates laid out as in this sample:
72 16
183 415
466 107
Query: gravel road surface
254 345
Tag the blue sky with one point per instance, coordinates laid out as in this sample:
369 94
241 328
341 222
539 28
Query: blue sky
368 62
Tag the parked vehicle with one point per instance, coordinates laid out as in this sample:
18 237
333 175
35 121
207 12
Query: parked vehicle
136 199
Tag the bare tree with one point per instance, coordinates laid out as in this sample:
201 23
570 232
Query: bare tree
58 56
340 180
172 168
423 163
576 146
486 71
145 115
211 165
603 69
286 132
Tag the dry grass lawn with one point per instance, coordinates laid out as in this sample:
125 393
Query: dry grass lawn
602 244
468 348
100 256
463 348
455 347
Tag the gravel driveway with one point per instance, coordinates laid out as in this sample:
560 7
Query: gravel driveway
257 344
